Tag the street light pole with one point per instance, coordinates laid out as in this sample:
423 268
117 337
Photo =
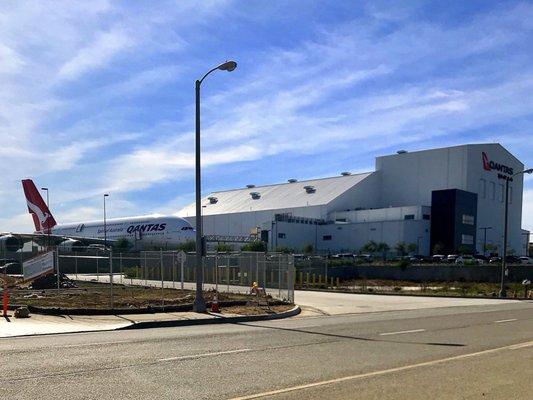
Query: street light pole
484 229
505 219
105 224
199 302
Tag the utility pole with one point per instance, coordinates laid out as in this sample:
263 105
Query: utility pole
484 229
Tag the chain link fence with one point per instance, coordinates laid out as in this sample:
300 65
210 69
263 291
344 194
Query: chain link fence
224 272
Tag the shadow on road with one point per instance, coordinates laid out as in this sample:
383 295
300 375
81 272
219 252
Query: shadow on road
335 335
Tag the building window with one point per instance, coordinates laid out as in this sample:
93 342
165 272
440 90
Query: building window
510 195
426 216
501 191
468 219
467 239
482 188
492 190
326 237
281 236
409 216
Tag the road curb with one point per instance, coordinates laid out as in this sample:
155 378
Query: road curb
221 320
413 295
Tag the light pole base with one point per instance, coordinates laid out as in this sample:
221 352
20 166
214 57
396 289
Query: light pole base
199 305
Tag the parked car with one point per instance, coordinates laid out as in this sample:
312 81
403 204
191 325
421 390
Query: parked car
343 256
363 258
510 260
481 258
466 260
438 258
526 260
451 258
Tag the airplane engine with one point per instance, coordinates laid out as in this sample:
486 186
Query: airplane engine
71 246
10 243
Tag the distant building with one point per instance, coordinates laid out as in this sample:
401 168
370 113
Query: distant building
436 199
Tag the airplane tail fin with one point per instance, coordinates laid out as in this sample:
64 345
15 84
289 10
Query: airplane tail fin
42 217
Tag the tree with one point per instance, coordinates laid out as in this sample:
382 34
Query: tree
490 247
383 248
370 247
411 247
438 248
308 249
401 248
188 246
464 249
122 245
257 246
284 250
223 248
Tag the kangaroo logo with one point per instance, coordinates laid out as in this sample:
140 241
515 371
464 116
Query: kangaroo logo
42 216
486 162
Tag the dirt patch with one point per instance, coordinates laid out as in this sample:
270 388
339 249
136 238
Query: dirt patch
91 295
255 309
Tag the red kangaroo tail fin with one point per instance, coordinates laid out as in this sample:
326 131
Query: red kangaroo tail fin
42 217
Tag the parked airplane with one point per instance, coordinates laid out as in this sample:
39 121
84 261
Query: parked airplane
143 232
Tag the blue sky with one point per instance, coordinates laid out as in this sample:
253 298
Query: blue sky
98 96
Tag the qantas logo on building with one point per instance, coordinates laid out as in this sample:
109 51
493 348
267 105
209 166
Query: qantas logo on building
489 165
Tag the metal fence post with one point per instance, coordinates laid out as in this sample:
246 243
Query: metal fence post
121 274
111 275
97 271
162 277
227 273
57 270
173 270
145 277
216 273
279 276
76 264
182 270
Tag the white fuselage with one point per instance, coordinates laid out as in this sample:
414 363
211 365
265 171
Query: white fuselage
143 232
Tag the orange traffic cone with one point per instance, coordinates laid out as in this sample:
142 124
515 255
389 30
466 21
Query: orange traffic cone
214 304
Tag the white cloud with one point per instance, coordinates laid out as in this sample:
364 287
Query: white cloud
97 54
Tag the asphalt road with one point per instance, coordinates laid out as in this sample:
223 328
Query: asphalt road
474 352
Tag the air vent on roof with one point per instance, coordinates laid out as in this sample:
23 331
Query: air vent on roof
255 195
346 173
212 200
250 186
401 152
310 189
292 180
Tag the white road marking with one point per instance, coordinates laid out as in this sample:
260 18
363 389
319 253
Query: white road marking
383 372
401 332
92 344
505 320
218 353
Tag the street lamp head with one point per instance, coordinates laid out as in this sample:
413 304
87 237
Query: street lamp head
106 195
44 188
228 66
528 171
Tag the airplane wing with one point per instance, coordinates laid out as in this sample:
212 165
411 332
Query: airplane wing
52 240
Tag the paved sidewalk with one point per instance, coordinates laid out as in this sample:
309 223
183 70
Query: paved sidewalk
39 324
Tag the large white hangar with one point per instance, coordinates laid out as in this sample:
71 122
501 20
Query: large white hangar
444 198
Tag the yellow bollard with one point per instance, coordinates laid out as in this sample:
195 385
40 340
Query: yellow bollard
314 280
319 280
307 279
301 278
337 282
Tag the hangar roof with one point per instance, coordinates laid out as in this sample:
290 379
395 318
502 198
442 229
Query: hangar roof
312 192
